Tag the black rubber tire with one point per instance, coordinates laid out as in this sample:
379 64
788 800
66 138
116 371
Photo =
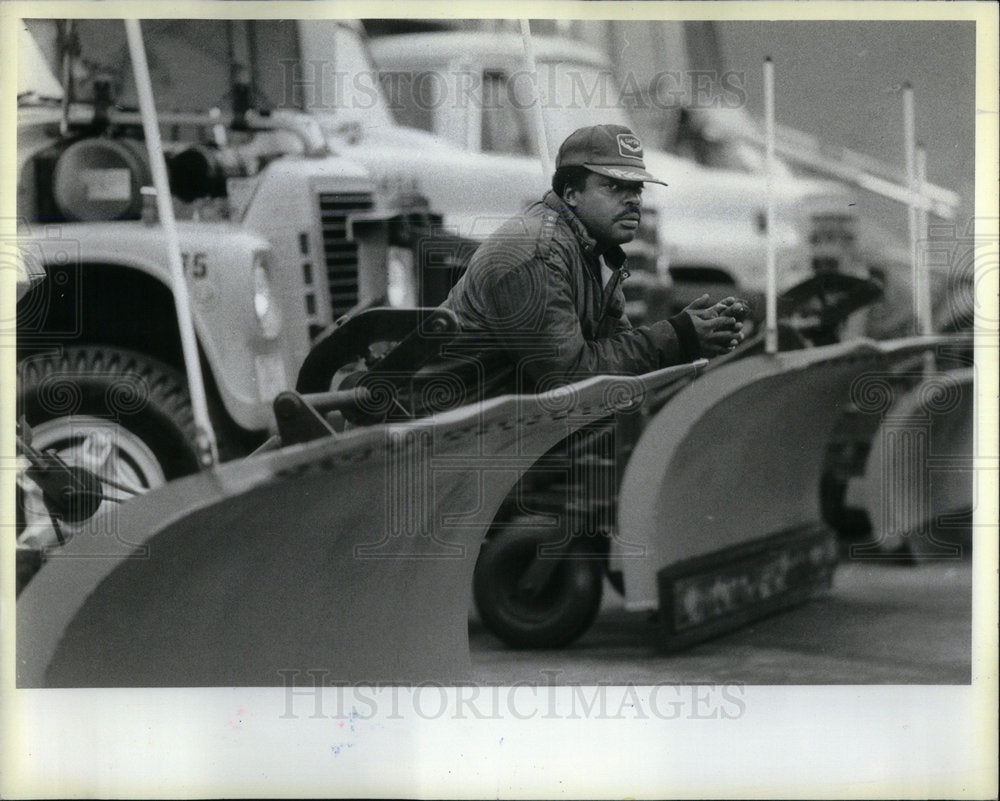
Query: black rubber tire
562 612
143 395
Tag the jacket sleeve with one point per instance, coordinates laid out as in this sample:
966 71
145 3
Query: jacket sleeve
684 330
536 323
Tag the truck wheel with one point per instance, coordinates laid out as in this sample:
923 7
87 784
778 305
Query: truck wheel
123 415
561 610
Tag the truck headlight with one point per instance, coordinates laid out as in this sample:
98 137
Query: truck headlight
401 281
264 306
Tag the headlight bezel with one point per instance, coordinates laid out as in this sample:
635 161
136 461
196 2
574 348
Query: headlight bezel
401 287
263 301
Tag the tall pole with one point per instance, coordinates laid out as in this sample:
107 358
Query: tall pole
923 268
543 141
206 444
913 219
771 318
68 82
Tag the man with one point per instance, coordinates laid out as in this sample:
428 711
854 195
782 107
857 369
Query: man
541 302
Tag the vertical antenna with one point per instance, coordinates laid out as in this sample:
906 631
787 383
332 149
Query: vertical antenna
913 218
543 142
926 324
923 268
771 318
206 444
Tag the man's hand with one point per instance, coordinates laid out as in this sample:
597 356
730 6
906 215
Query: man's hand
719 325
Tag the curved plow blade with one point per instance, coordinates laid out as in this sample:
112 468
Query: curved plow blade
351 557
917 487
720 503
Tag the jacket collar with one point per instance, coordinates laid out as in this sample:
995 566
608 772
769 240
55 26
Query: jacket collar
614 255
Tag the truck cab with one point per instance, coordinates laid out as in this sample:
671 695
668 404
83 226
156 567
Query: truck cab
279 236
331 75
711 221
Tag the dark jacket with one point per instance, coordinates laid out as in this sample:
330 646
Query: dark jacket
534 315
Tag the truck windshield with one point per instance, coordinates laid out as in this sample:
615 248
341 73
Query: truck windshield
578 94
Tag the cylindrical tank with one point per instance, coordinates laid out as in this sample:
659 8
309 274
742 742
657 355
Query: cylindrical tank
100 179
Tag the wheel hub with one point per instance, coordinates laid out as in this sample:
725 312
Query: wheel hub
106 459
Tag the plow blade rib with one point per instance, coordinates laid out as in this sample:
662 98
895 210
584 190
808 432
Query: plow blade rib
349 557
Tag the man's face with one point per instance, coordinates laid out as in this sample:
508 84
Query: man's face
608 208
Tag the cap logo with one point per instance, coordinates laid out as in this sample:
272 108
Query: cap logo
629 146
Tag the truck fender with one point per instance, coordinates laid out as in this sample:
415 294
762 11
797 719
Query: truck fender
221 299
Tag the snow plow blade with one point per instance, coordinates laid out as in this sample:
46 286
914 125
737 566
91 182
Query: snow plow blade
917 487
351 557
719 505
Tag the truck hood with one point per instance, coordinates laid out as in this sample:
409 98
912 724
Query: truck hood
474 192
723 193
456 181
347 131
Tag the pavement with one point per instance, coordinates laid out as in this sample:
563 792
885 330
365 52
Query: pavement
878 624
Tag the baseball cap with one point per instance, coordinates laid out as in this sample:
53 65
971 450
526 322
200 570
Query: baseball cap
611 150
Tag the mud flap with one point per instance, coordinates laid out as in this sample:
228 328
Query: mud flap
722 490
351 557
917 486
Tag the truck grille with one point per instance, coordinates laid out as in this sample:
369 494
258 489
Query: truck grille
339 252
